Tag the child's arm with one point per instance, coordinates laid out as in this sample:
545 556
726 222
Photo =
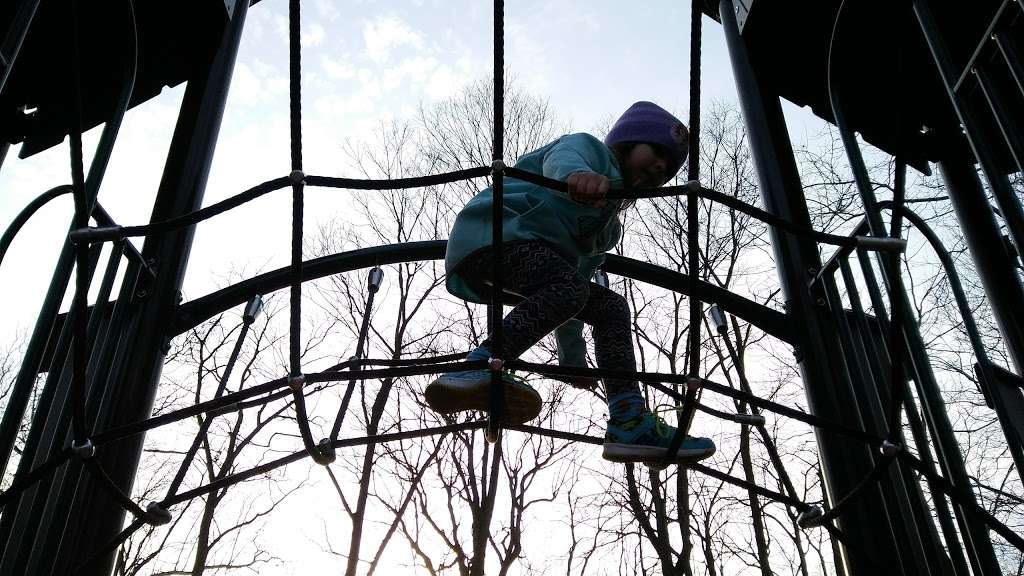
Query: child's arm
584 163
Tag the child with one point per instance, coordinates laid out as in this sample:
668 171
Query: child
553 243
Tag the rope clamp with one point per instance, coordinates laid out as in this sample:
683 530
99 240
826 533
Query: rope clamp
693 384
296 382
85 450
297 177
325 449
718 319
495 364
157 515
95 234
750 419
253 309
810 518
374 278
889 449
498 166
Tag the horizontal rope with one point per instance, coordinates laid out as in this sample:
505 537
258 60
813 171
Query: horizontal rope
228 481
259 190
399 183
741 483
228 399
954 494
699 192
651 379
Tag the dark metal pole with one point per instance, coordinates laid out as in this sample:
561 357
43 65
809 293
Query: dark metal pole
13 39
94 518
979 546
978 138
821 361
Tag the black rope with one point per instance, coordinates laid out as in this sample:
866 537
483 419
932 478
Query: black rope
692 397
494 308
227 481
766 439
897 394
98 472
652 379
965 502
108 548
694 190
742 483
402 367
27 212
204 426
79 343
373 280
868 481
171 224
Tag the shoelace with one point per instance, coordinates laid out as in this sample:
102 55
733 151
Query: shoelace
662 428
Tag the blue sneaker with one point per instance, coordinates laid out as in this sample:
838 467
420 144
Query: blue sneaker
470 390
646 437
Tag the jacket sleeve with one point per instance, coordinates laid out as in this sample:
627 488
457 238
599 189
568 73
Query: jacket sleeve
577 153
572 348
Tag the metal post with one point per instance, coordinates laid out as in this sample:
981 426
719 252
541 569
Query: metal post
977 136
979 546
94 518
821 361
14 37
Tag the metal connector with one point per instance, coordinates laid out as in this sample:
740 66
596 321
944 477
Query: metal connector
297 177
296 382
157 515
85 450
95 234
252 309
894 245
718 319
750 419
810 518
374 278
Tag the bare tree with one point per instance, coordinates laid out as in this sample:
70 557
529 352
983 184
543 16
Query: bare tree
218 530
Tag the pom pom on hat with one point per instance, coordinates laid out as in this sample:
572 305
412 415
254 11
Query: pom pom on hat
650 123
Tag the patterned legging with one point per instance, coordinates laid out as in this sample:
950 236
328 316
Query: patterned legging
547 292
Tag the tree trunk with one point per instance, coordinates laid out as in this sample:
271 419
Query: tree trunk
364 478
755 505
203 538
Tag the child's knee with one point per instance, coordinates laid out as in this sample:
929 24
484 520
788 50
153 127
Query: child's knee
617 309
577 294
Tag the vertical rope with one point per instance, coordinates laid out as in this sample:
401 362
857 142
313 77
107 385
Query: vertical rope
693 173
80 347
691 399
497 187
295 96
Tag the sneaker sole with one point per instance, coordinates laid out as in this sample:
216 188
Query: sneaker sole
651 454
522 404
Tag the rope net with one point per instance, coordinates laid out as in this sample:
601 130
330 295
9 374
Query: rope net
295 383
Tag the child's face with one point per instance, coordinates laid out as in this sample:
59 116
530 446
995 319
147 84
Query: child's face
645 167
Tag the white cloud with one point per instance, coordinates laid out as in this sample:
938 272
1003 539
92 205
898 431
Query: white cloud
385 33
313 35
337 69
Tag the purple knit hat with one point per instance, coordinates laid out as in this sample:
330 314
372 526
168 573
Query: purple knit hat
648 122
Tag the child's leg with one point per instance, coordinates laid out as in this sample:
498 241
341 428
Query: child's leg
634 434
549 292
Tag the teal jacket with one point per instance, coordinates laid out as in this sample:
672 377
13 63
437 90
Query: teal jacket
580 233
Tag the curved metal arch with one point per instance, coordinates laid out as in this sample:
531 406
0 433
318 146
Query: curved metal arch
192 313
